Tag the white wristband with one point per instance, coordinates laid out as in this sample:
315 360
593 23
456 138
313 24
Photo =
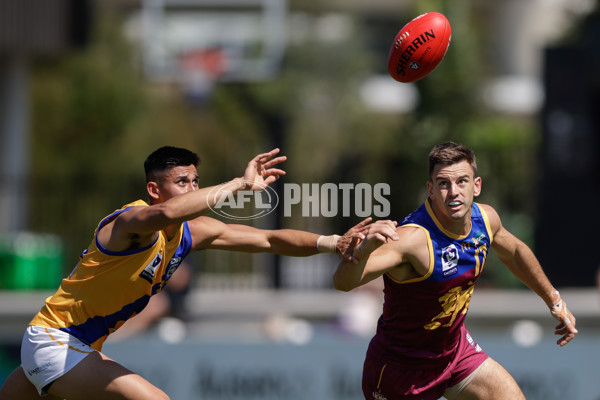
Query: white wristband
327 244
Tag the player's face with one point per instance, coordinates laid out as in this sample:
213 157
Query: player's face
176 181
452 191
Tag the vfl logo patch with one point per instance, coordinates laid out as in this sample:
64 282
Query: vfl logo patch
449 260
150 270
378 396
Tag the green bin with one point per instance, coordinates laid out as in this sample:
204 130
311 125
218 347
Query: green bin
30 261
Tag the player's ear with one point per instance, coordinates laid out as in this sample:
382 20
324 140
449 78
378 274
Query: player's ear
430 189
153 190
477 186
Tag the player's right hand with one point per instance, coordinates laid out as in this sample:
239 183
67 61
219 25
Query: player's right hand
378 234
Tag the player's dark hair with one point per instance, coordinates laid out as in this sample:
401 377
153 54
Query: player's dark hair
451 153
167 157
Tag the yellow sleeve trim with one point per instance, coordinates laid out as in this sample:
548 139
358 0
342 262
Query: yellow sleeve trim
431 259
486 220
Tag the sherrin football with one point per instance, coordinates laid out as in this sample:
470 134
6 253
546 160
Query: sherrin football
419 47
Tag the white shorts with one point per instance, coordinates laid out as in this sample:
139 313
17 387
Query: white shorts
47 354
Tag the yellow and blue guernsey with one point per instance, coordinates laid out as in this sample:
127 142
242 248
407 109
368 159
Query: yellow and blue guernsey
107 288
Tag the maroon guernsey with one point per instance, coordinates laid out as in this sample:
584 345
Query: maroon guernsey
422 322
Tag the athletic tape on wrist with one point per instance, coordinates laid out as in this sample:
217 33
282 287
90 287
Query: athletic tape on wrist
327 244
557 302
559 310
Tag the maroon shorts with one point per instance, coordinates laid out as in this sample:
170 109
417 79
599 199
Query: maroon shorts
383 380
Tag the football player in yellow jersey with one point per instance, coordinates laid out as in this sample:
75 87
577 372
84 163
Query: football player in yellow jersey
134 252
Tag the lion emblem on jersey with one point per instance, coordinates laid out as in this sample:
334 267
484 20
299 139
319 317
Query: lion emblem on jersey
454 303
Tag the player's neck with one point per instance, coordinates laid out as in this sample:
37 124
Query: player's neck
457 226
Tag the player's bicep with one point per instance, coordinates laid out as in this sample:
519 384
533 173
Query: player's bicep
409 252
123 231
505 245
140 221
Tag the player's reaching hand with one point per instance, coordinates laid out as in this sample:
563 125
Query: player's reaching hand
376 235
346 244
259 172
566 328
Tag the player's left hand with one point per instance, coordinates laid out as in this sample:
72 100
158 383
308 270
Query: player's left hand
259 172
566 328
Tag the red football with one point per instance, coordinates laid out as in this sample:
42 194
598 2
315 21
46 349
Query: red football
419 47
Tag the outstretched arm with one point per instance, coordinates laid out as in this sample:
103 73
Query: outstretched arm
521 261
209 233
258 174
141 224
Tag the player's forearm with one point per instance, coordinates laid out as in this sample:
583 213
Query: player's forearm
525 266
194 204
178 209
294 243
531 273
349 275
